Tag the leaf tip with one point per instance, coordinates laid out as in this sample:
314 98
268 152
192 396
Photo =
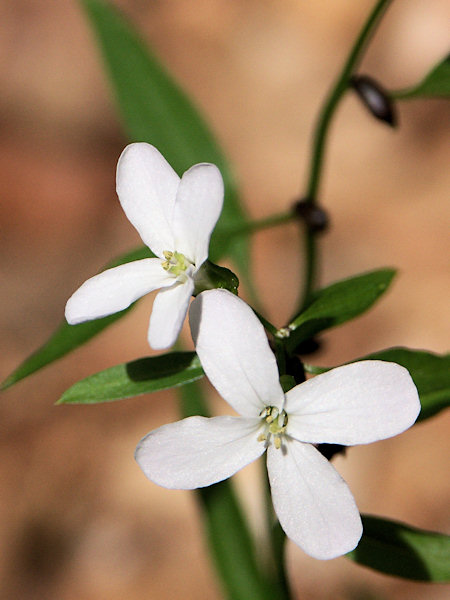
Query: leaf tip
9 381
4 385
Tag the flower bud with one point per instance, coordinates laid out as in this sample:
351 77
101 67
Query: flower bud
375 98
211 276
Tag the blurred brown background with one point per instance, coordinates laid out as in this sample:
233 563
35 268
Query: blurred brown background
78 520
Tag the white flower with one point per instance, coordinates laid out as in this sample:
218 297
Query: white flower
175 218
353 404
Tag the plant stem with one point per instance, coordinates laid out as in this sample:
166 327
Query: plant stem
277 536
320 137
309 277
339 88
266 223
267 324
277 539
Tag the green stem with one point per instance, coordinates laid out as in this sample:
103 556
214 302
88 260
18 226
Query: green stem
278 345
230 541
259 224
309 277
267 324
337 91
277 539
321 132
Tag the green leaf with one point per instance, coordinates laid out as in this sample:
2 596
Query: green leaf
435 84
337 304
397 549
232 547
154 109
430 373
68 337
140 376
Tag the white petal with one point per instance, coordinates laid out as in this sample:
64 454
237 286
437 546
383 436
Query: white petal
115 289
234 352
313 503
354 404
197 207
147 187
169 311
197 451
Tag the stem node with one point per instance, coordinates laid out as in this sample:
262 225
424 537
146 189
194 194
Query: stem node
315 218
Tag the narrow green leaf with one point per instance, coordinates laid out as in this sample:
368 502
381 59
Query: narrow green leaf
403 551
68 337
134 378
229 538
154 109
231 545
435 84
337 304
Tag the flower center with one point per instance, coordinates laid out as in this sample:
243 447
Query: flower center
175 263
275 423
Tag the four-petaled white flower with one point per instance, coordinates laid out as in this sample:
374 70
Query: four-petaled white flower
175 218
353 404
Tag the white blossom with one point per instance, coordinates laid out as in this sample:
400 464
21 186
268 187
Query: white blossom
175 218
354 404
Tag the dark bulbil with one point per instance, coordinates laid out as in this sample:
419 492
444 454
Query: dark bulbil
314 217
375 98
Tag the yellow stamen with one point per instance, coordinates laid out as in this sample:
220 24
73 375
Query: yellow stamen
275 425
176 263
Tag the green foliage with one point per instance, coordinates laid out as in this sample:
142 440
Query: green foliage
430 372
140 376
211 276
232 547
154 109
436 84
229 538
337 304
397 549
68 337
